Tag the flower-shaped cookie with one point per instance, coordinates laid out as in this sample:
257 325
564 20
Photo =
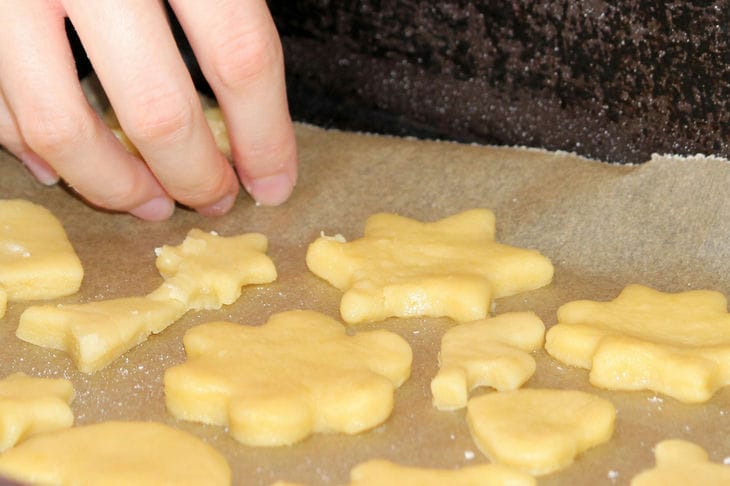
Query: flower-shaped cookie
402 267
36 259
278 383
30 406
539 430
138 453
676 344
206 271
491 352
679 463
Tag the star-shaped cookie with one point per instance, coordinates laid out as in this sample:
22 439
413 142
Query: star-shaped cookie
492 352
403 267
205 271
31 406
539 430
278 383
679 463
676 344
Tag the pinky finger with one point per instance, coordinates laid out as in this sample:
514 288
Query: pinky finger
11 139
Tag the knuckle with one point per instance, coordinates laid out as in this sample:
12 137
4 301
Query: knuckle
239 59
49 130
159 115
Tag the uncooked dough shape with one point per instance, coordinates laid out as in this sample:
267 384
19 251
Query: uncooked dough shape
679 463
36 259
116 453
278 383
492 352
31 406
675 344
403 267
539 430
205 271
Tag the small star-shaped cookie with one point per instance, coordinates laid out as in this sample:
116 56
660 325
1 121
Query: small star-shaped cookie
36 259
138 453
402 267
491 352
679 463
206 271
539 430
278 383
676 344
31 406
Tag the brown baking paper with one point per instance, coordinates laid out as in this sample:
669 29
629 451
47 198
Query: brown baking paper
665 223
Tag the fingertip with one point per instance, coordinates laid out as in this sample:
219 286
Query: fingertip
271 190
41 170
219 208
158 208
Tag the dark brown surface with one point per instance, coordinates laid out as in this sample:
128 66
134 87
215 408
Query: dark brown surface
611 80
663 224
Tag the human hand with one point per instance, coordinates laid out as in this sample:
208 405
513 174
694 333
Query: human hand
46 121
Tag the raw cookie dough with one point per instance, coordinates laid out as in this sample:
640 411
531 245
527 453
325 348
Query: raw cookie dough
30 406
680 463
385 473
122 453
490 352
36 259
278 383
206 271
539 430
402 267
676 344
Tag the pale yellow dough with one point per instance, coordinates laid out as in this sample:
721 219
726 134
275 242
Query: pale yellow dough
278 383
539 430
31 406
490 352
386 473
205 271
116 453
36 259
676 344
681 463
403 267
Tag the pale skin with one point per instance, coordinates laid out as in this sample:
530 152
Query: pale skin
47 123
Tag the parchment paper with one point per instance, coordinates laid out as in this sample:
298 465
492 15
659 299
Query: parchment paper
665 223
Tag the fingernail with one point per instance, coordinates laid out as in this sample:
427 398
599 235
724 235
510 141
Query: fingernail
271 190
157 209
39 168
220 208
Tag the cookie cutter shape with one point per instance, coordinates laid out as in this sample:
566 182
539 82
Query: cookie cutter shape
36 259
539 430
403 267
492 352
678 463
278 383
205 271
31 406
139 453
676 344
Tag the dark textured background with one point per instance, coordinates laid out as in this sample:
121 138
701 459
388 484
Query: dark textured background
613 80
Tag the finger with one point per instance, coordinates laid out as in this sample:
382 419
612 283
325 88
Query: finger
239 52
136 59
38 80
11 139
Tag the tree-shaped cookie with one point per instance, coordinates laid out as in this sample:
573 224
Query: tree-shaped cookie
30 406
36 259
138 453
403 267
539 430
676 344
680 463
206 271
492 352
278 383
